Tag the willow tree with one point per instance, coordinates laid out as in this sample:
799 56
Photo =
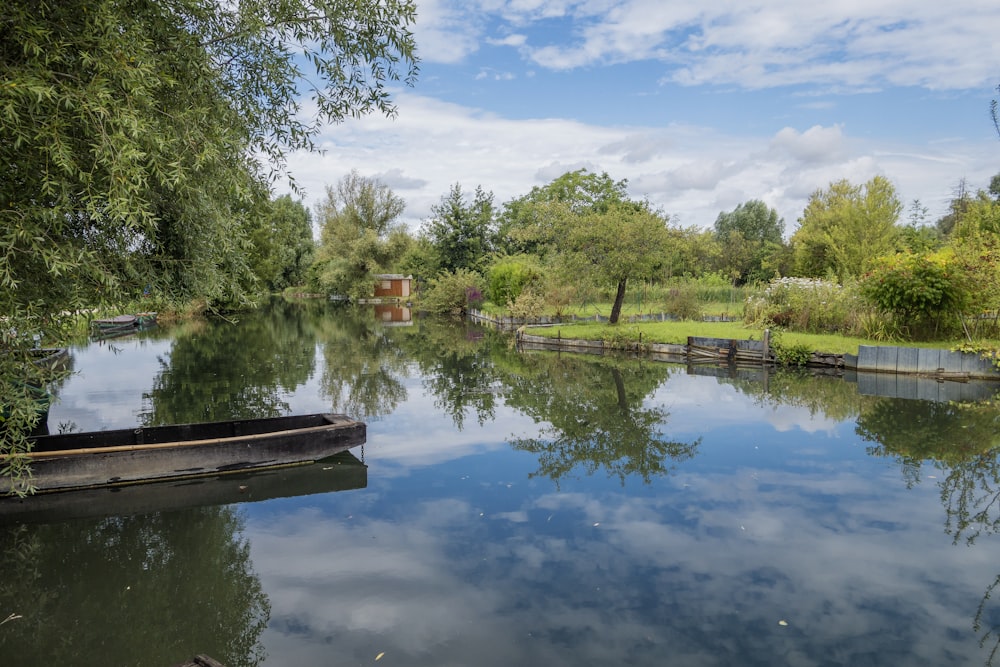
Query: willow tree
360 235
138 137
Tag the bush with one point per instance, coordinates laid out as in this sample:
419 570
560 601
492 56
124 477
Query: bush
805 304
527 306
683 303
449 293
918 290
508 278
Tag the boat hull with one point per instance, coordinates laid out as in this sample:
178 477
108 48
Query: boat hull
129 456
340 472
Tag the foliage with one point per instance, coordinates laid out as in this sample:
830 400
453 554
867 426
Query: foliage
976 244
747 236
282 246
596 416
690 252
531 223
802 304
364 369
528 305
683 302
461 233
130 571
844 227
448 293
789 353
360 235
508 276
139 138
986 351
616 246
916 290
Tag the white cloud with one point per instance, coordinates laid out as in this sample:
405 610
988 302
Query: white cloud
767 43
690 172
815 145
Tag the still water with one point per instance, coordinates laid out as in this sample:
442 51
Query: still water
517 509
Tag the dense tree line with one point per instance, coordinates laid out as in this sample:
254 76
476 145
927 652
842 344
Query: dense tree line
582 237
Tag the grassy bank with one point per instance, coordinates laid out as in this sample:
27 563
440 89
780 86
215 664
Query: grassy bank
678 332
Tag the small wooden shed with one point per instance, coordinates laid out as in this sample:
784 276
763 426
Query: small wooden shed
393 286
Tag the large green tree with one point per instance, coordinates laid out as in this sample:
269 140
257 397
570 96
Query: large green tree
462 232
749 237
846 226
531 223
282 246
585 225
138 137
361 235
624 243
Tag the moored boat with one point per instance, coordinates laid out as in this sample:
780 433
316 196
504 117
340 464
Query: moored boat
129 456
340 472
122 324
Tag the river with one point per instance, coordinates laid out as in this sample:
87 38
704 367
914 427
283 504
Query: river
514 508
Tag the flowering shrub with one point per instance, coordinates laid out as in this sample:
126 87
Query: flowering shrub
804 304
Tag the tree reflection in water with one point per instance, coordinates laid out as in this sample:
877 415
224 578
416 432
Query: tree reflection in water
220 370
963 442
364 365
172 584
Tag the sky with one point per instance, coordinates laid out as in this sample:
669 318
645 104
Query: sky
700 106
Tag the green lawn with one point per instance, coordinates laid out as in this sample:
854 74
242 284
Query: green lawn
630 307
677 332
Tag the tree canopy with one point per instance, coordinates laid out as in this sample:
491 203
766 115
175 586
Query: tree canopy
587 226
462 233
748 236
361 235
139 137
846 226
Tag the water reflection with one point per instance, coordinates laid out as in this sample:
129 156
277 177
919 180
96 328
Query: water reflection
364 367
222 370
141 590
597 415
646 514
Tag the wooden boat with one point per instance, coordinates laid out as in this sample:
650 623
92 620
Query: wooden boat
122 324
128 456
340 472
50 357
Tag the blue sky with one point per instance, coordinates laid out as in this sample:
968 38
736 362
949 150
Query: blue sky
699 105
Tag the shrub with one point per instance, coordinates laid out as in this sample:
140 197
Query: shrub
508 278
918 290
449 293
683 303
805 304
790 354
527 306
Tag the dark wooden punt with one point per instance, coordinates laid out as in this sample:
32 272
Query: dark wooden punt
340 472
127 456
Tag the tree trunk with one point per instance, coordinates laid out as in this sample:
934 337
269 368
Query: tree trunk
616 310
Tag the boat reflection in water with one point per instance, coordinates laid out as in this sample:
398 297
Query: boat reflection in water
341 472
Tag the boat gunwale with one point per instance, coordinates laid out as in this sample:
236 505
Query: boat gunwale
334 422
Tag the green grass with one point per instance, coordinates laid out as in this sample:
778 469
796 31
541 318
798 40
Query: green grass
603 308
678 332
